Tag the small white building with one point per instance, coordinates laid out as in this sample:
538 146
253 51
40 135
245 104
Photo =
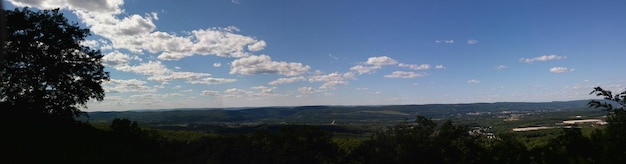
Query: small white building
594 121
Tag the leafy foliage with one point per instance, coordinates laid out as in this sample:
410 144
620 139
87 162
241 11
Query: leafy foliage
47 72
613 138
620 99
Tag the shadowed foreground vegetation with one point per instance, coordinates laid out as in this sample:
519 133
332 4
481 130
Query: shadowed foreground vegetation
421 141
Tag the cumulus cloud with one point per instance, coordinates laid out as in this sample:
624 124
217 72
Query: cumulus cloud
560 69
217 64
381 61
332 84
404 75
287 80
372 64
97 6
263 64
115 58
542 58
473 81
365 69
156 71
440 67
90 43
136 33
131 85
213 41
264 90
472 41
415 66
258 46
235 92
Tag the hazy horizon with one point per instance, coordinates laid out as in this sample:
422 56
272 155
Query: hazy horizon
238 53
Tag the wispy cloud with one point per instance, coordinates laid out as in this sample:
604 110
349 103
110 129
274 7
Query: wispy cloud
473 81
287 80
542 58
444 41
415 66
472 41
404 75
333 57
501 67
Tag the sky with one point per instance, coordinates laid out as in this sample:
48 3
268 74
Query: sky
164 54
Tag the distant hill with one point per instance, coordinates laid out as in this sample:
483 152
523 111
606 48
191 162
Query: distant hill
306 114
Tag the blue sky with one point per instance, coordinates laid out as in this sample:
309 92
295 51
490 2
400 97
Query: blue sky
244 53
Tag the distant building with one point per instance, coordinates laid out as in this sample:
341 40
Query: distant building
531 128
594 121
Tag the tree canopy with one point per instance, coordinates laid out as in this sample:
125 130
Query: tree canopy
47 72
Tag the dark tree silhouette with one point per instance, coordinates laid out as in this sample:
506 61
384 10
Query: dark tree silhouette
620 99
46 71
613 138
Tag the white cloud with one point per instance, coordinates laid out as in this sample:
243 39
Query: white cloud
258 46
500 67
415 66
210 93
136 32
235 92
169 76
404 75
211 81
335 76
158 72
332 84
365 69
306 90
542 58
472 41
97 6
381 61
287 80
217 64
263 64
115 58
440 67
473 81
147 68
444 41
560 69
264 90
90 43
362 89
212 41
334 57
331 80
131 85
